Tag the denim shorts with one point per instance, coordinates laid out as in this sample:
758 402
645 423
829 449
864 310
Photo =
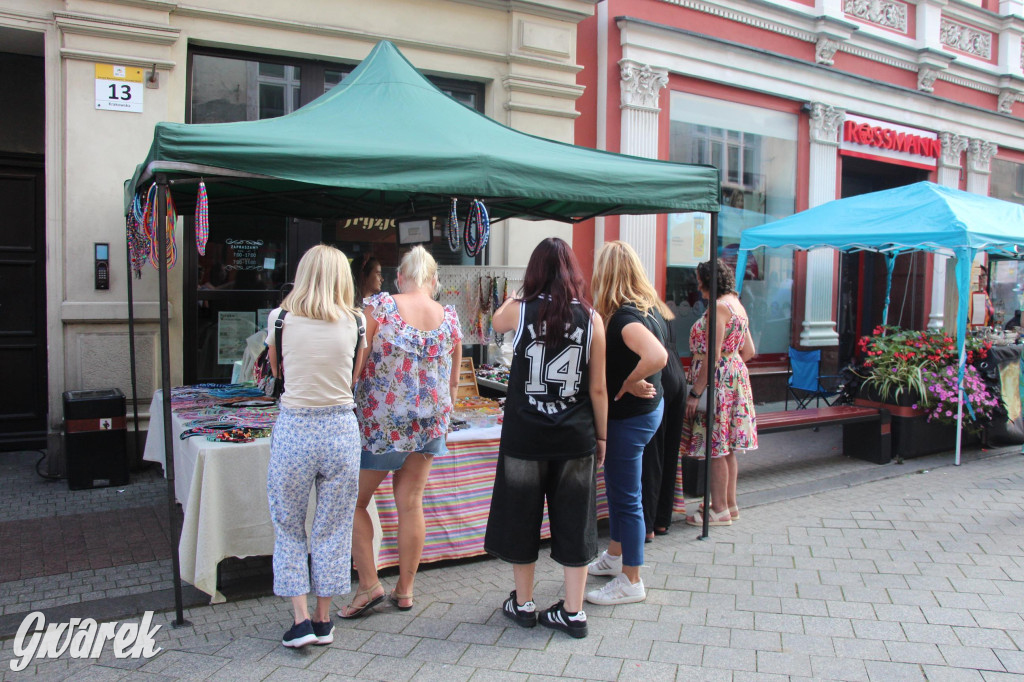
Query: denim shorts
393 461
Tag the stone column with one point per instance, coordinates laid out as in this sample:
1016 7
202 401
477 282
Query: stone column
979 163
953 147
639 89
819 325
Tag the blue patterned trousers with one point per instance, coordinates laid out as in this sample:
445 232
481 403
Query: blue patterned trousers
313 446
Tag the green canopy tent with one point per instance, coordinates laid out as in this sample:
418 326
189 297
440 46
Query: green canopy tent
387 143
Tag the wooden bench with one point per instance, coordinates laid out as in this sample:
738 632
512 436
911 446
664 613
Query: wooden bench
867 431
867 435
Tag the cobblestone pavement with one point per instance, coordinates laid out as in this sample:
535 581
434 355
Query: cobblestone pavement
914 577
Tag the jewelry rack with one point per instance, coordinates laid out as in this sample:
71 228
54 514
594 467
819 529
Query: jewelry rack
460 287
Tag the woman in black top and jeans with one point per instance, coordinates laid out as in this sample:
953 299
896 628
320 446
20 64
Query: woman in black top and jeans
636 355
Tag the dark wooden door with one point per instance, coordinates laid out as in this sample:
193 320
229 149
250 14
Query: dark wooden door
23 398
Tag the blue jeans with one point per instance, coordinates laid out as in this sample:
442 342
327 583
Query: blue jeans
627 439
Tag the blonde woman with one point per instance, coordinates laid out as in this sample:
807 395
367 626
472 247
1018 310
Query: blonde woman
635 356
315 440
405 394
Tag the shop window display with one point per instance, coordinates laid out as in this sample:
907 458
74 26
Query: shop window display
249 261
756 150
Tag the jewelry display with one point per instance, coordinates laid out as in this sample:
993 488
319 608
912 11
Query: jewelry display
451 228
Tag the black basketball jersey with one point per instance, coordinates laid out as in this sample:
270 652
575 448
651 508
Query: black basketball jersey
548 414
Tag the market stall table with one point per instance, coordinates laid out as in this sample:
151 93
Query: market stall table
222 488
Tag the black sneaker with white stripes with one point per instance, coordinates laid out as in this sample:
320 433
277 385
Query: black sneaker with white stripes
557 618
525 615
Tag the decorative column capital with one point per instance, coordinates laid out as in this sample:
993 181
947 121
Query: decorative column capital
953 146
825 122
640 85
979 156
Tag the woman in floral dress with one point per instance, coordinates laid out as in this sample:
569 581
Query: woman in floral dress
735 426
405 393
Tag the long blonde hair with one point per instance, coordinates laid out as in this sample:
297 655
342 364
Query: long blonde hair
619 278
323 285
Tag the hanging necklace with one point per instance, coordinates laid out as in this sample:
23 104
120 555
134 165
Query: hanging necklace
478 228
451 228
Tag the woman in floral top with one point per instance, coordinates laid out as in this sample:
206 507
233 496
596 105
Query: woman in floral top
735 426
404 396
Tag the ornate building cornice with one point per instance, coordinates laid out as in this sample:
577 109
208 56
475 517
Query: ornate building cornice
825 50
640 85
926 76
825 122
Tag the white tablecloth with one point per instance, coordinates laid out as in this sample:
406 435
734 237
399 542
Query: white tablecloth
223 489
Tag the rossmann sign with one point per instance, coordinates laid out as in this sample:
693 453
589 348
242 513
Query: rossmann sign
889 142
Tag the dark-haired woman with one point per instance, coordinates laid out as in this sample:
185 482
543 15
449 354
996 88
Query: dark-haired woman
366 274
735 426
553 437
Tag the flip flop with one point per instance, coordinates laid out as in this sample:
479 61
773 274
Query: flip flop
359 612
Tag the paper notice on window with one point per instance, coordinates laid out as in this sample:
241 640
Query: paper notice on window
689 238
978 310
233 328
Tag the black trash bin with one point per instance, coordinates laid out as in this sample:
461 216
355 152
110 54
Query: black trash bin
95 438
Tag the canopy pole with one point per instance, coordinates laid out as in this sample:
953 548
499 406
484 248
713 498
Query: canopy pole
964 258
165 386
890 263
136 460
711 367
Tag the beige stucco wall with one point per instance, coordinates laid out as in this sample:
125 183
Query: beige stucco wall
523 52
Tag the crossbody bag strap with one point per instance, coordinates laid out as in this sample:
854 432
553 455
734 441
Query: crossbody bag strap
278 333
360 333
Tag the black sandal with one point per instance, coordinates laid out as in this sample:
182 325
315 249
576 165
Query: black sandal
358 612
660 531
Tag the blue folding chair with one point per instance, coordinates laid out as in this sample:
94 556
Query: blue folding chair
806 382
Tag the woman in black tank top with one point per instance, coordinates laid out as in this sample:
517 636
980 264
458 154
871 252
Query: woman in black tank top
553 435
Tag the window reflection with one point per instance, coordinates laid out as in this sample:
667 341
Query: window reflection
755 150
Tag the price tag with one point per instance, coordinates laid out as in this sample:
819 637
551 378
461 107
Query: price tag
119 88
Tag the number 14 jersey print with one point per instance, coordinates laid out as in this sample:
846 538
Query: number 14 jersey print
548 413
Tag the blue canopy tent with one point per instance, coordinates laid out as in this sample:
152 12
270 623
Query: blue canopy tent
919 217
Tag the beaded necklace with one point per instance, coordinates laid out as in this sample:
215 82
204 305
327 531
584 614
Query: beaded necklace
202 219
149 224
478 228
138 242
451 228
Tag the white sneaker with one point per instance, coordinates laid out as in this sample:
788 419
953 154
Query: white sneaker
618 591
606 564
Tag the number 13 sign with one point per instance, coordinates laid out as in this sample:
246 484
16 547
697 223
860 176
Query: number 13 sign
119 88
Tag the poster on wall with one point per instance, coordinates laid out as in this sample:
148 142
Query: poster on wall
261 317
689 238
233 327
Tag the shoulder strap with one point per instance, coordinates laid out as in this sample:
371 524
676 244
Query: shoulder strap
360 333
278 334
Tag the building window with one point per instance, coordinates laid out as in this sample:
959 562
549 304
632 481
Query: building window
755 150
249 260
1007 181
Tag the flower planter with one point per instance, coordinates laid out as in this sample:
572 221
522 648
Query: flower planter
913 435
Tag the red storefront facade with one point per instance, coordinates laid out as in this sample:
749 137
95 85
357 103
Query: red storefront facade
799 103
